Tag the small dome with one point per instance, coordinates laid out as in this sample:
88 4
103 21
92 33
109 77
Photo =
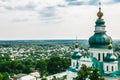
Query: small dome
110 57
99 40
100 22
76 55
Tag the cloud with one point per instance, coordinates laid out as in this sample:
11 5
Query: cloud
20 20
5 0
76 3
89 2
49 14
116 1
61 5
93 2
28 6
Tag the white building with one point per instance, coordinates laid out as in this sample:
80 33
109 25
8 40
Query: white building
23 77
100 53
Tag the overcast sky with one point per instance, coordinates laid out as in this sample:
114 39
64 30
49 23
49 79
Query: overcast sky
56 19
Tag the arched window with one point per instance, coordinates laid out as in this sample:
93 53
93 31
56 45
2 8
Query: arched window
91 54
107 68
73 64
103 56
99 56
115 67
112 68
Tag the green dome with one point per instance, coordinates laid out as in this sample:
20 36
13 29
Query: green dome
76 55
110 57
100 22
99 40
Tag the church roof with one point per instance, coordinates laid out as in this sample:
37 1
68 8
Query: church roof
76 55
72 69
110 57
99 40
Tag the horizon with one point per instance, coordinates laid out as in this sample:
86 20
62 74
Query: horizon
46 39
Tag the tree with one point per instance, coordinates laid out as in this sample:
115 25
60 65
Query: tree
88 72
6 76
95 74
56 65
83 73
42 66
1 76
44 79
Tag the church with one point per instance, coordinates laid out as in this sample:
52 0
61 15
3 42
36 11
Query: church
100 53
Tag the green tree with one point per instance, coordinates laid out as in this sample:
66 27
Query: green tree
56 65
44 79
1 76
83 73
88 72
42 66
95 74
6 76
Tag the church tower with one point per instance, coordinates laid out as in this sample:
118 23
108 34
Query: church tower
100 47
75 63
100 43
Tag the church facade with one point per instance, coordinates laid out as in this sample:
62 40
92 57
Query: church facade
100 53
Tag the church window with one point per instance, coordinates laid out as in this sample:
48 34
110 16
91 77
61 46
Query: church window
91 54
103 56
107 68
115 67
73 64
99 56
112 68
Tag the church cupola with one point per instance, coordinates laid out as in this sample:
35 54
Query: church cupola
76 54
100 39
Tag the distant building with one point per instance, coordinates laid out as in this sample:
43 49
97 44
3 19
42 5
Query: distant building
35 74
31 76
100 53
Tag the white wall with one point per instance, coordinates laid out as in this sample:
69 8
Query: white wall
95 51
71 75
110 64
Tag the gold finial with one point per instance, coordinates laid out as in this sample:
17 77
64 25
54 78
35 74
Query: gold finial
99 14
76 41
110 43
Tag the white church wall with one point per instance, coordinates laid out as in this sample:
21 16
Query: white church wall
73 63
110 66
71 75
88 64
95 52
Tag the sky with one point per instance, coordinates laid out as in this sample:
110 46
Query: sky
56 19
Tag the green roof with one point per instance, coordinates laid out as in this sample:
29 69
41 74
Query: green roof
76 55
99 40
72 69
100 22
110 57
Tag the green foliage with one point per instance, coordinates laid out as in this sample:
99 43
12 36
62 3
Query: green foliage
1 76
4 76
88 72
15 67
58 79
44 79
41 65
57 64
